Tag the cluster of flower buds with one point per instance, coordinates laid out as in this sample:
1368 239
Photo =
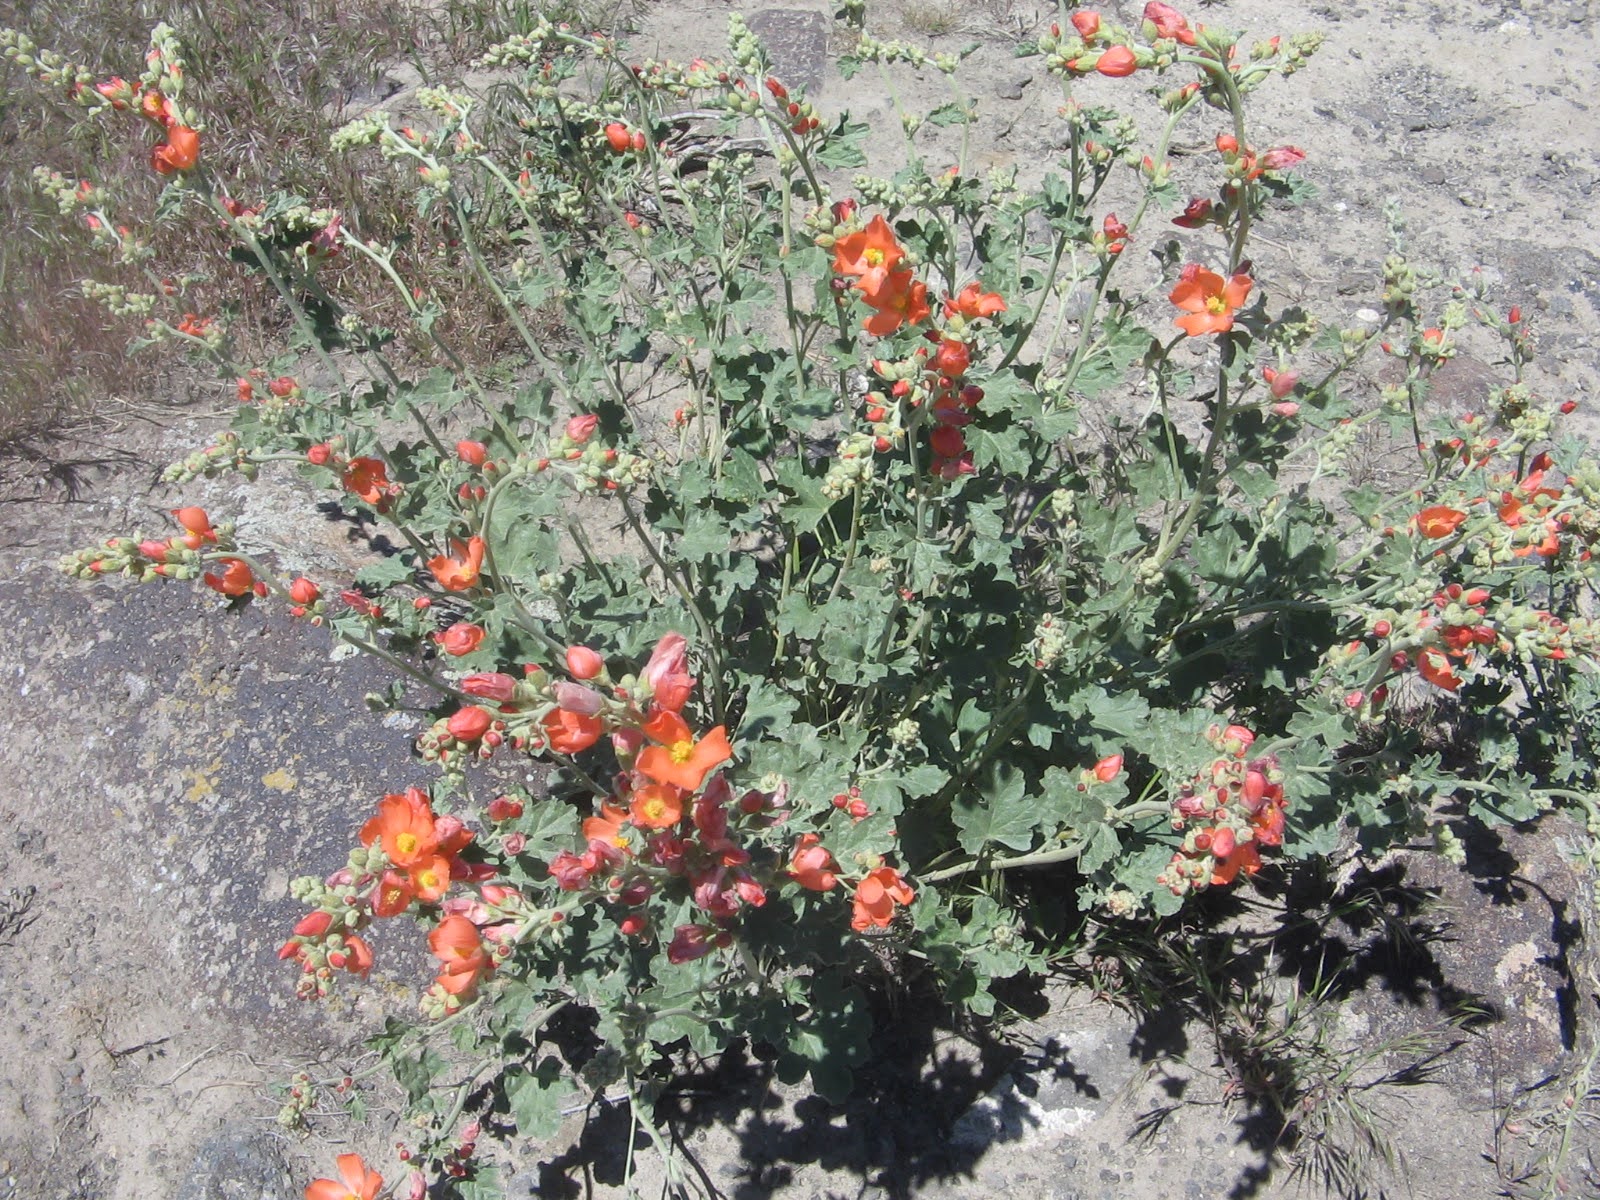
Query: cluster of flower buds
797 112
679 80
745 47
227 453
49 68
1049 643
876 50
471 731
118 300
327 939
1226 813
146 559
69 196
527 49
574 452
623 140
300 1097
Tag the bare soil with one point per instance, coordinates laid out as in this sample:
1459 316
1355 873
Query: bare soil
170 765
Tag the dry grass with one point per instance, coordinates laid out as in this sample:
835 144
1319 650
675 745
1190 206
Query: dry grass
272 82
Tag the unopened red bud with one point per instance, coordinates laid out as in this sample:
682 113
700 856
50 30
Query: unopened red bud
314 924
469 724
1382 628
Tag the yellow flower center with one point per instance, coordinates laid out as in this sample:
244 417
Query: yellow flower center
874 257
655 809
682 752
1216 304
406 843
428 880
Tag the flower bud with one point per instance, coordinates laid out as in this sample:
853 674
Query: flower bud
461 638
470 724
576 698
474 454
490 685
313 924
584 663
1108 768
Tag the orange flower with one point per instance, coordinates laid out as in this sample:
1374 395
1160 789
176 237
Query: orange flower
429 880
456 944
876 896
972 302
899 297
812 866
1439 521
196 525
1243 857
870 253
357 956
393 895
368 478
1433 666
460 572
235 579
607 827
679 759
355 1182
179 152
405 827
656 806
1208 302
569 732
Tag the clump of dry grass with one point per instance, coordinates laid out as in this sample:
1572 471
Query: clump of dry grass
272 82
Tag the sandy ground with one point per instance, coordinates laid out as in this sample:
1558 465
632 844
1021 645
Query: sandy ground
170 766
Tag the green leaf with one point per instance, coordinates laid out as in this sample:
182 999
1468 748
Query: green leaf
952 113
536 1097
842 147
1125 716
1102 847
998 814
384 573
704 534
922 780
550 827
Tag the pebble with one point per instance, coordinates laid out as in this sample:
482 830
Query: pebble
1012 88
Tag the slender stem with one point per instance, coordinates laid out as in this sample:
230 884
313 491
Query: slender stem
708 636
850 550
1041 858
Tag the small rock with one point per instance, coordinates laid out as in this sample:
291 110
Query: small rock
1011 88
237 1164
